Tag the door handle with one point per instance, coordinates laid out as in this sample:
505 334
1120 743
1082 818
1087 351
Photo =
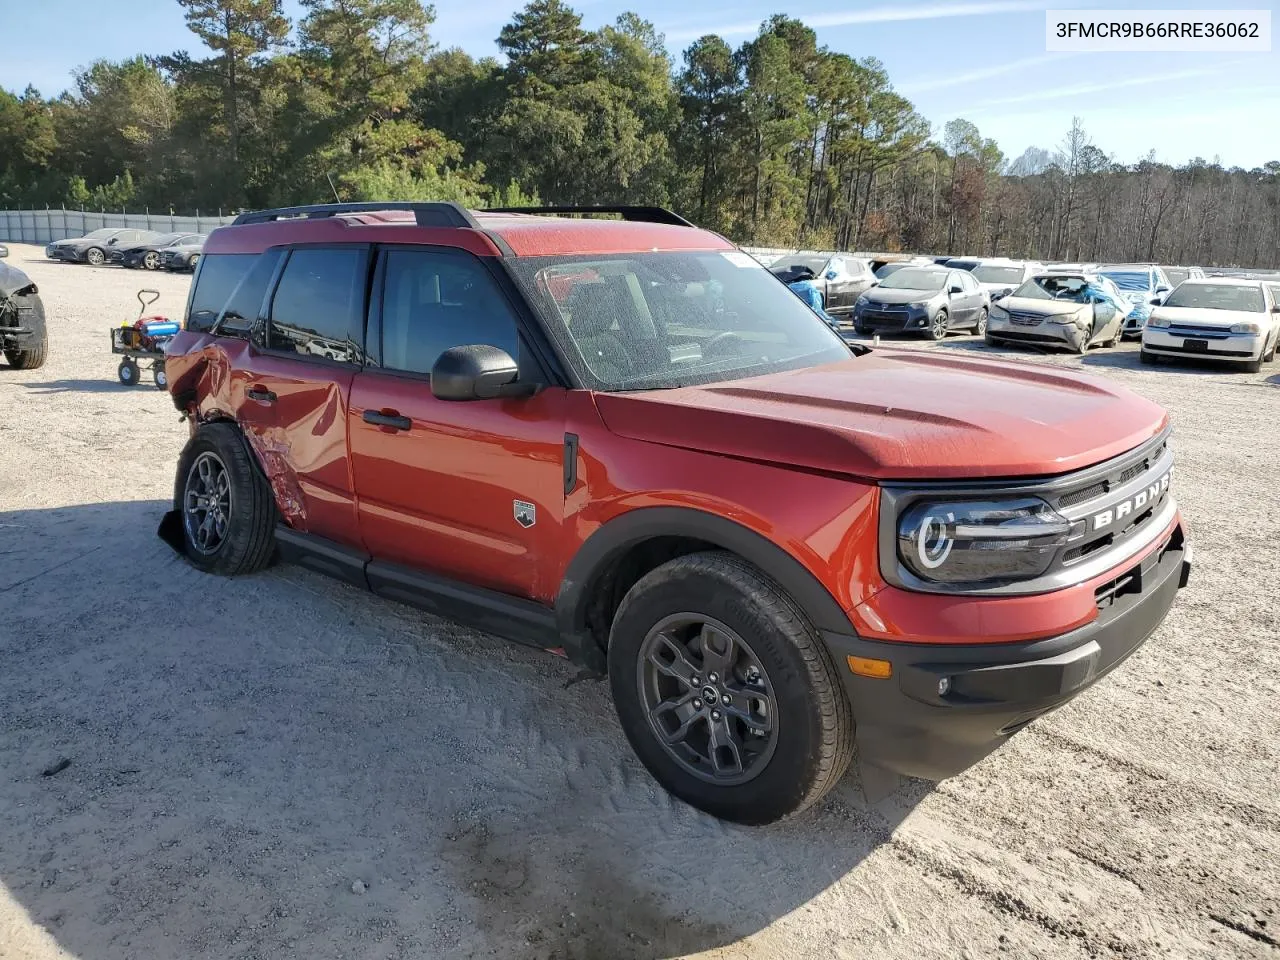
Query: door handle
389 418
261 394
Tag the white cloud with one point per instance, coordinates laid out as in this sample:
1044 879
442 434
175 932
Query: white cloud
982 73
886 14
1088 89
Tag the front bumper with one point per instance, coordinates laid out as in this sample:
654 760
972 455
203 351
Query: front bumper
890 320
62 253
1042 331
1219 344
904 724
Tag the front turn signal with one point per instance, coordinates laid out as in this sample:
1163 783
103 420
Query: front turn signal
869 667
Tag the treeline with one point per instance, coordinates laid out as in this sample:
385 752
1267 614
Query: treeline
780 141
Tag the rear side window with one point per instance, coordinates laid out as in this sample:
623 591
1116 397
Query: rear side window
220 274
316 310
244 306
432 301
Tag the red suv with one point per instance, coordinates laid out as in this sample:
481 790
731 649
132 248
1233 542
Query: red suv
627 442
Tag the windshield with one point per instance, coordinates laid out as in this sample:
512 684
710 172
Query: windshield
1073 288
1217 296
661 320
105 234
913 278
1138 281
890 268
994 274
166 238
1176 274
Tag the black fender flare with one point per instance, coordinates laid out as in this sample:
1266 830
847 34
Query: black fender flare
620 534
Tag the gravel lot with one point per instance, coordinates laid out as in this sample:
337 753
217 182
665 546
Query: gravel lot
282 766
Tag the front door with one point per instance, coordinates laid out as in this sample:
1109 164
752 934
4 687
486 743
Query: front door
469 490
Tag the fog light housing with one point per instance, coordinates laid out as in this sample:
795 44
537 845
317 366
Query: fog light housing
944 686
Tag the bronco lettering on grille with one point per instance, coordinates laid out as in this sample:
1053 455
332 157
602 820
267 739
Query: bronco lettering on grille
1134 504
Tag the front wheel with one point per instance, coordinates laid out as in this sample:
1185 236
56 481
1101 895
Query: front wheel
989 339
226 506
938 326
151 261
1271 351
726 692
981 327
1147 358
95 256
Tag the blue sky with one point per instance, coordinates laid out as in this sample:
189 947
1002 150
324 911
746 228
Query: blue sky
983 60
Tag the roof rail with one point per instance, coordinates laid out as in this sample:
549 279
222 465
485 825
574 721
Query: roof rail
432 214
641 214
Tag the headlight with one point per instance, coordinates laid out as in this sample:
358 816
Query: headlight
1155 321
1249 327
1080 316
998 313
968 542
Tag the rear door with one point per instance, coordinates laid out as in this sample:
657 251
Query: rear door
839 285
295 383
471 490
972 296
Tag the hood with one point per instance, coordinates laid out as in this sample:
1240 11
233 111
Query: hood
1041 308
12 279
881 295
899 415
1201 317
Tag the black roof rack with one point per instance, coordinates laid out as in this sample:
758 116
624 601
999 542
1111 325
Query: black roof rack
641 214
432 214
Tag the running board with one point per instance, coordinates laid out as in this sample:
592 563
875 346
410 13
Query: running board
513 618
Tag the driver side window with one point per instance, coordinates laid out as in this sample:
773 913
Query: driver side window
435 300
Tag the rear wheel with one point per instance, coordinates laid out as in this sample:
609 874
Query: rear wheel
938 326
726 692
228 511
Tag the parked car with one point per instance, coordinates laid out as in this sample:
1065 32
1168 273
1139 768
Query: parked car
1000 277
1177 274
24 333
839 277
1143 285
147 254
1073 309
1218 319
901 259
627 442
183 257
923 299
92 247
963 263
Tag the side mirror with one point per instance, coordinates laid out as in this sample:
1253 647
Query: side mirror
476 372
1157 300
1162 289
4 251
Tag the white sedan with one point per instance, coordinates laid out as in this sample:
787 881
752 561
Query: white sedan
1217 318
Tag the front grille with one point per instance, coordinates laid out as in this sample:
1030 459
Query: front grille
1196 330
1025 318
1088 493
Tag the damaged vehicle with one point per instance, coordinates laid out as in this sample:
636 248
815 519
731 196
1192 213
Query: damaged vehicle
1142 286
625 442
1072 309
147 255
92 247
183 257
24 335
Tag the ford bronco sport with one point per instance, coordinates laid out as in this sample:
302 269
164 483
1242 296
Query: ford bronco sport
627 442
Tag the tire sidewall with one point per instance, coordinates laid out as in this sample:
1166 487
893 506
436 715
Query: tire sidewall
785 780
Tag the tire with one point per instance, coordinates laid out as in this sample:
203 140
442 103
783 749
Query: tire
128 373
990 340
1251 366
159 377
980 328
1148 359
938 326
1270 354
780 658
1083 348
191 264
151 260
244 541
33 355
94 256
